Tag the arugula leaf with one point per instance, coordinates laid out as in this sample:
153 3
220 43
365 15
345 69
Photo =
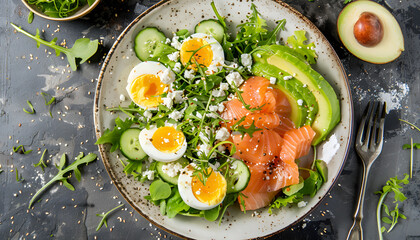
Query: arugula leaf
41 162
32 110
297 42
104 217
113 137
82 49
282 202
175 204
243 130
392 185
63 174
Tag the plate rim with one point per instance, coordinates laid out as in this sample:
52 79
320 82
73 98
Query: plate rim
98 131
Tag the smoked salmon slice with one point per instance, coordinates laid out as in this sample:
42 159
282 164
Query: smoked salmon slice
296 143
255 200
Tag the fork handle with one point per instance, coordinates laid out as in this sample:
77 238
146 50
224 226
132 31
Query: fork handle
356 230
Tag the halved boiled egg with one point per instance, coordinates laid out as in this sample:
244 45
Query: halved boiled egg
198 195
164 144
147 81
210 53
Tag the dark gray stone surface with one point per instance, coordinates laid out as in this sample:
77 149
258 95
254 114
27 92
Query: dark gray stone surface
26 71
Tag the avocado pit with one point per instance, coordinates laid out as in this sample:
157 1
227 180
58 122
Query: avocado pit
368 30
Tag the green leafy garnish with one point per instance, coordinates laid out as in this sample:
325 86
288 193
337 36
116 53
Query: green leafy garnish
113 137
243 130
392 185
21 149
18 177
64 173
32 110
104 217
347 1
409 146
297 42
82 49
49 100
41 162
159 190
59 8
30 17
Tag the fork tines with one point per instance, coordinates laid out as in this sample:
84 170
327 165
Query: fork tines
370 134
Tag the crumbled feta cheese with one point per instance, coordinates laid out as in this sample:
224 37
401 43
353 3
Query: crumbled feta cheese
167 102
205 149
176 96
218 93
198 114
122 97
147 114
177 67
165 76
234 78
212 115
149 174
231 66
175 43
213 108
246 59
172 169
222 134
273 80
167 41
221 107
189 74
304 85
176 115
287 78
221 148
302 204
300 102
212 69
258 55
224 86
174 56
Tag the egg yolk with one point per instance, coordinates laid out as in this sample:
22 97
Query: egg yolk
146 89
213 191
204 56
167 139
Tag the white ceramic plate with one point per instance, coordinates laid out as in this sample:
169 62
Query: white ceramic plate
171 16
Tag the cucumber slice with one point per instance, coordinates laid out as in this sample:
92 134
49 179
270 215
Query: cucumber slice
238 177
211 27
130 144
292 189
164 175
146 42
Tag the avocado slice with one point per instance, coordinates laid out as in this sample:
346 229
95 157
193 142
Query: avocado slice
303 111
328 115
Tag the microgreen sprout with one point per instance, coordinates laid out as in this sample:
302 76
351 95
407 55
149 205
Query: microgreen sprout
18 177
41 162
104 217
49 100
32 110
21 149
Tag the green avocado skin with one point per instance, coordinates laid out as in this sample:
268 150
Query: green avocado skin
323 100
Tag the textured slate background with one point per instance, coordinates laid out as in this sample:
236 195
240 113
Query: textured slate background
62 214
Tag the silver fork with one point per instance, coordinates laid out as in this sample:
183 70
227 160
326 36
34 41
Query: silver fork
369 143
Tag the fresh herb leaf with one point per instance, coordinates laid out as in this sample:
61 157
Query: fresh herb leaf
113 137
297 42
41 162
63 174
347 1
91 2
32 110
212 214
21 150
59 8
175 204
30 17
104 217
49 100
18 177
82 49
392 185
282 202
159 190
408 146
243 130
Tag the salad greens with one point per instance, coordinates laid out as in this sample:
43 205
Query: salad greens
64 173
392 185
59 8
82 49
104 217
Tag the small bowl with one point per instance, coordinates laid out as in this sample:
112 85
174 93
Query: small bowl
77 14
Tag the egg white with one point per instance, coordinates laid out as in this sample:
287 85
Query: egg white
148 67
185 190
218 54
147 146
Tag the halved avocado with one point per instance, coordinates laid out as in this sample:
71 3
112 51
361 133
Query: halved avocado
328 114
370 32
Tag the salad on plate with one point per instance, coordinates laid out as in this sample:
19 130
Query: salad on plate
220 121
